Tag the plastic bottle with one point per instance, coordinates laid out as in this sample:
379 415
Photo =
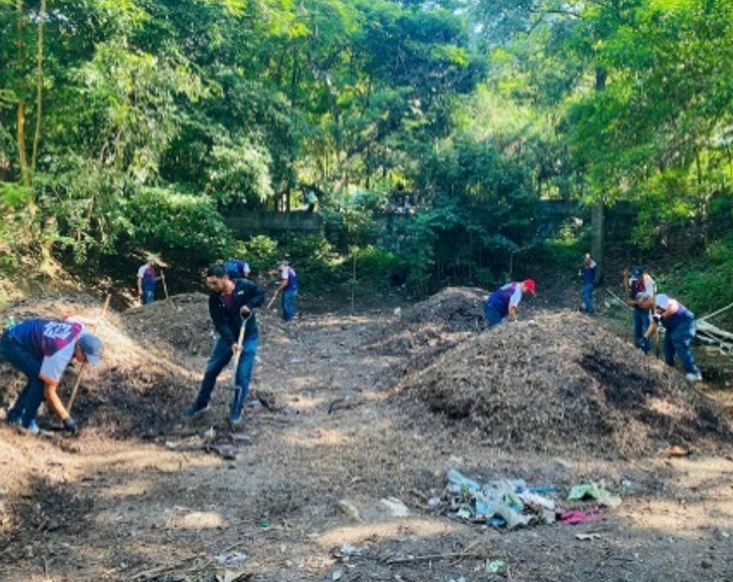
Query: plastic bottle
10 322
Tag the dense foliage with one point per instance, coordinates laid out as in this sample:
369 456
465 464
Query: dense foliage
143 124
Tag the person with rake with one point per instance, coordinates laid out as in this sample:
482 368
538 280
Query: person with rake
231 307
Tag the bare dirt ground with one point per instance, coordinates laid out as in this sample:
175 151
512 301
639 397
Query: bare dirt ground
340 470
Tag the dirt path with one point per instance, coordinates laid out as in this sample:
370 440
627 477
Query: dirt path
304 498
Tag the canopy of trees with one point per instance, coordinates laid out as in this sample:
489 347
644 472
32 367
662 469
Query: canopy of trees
143 122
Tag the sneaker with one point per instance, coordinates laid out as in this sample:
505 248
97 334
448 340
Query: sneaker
195 409
690 377
32 428
235 418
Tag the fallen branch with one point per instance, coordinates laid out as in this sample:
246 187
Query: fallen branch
714 313
428 557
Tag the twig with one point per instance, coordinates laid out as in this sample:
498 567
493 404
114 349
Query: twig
165 287
450 556
152 572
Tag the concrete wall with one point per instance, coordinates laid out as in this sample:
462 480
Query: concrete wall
248 223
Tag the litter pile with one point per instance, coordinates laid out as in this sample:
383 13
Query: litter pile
510 503
559 383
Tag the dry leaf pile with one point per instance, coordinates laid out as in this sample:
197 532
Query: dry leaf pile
562 382
436 323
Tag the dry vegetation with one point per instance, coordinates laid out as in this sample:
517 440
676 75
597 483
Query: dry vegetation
347 411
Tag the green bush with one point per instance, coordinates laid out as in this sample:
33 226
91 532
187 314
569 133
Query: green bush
374 268
705 284
164 219
262 254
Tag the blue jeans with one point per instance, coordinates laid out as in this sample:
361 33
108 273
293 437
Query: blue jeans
641 321
588 297
678 341
221 355
492 315
26 405
288 304
148 296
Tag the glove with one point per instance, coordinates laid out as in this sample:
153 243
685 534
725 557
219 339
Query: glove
70 425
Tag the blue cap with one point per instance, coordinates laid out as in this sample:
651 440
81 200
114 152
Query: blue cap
91 345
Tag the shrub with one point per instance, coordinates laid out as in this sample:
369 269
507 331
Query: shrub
164 219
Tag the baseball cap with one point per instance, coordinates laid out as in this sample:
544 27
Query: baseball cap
91 345
637 273
662 301
529 285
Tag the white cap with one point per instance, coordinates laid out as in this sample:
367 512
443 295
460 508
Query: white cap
662 301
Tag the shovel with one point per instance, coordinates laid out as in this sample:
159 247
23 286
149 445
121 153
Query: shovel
235 363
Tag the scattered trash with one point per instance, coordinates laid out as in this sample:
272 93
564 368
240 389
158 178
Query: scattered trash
233 559
500 503
510 503
576 516
587 536
594 491
234 576
496 567
350 509
348 551
264 522
396 507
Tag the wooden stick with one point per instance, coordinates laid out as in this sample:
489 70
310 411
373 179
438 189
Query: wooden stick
165 287
277 291
709 315
617 298
449 556
83 366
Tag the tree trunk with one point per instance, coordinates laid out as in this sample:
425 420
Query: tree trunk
598 211
20 128
597 220
39 88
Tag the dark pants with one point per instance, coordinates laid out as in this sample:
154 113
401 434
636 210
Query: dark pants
678 342
148 296
588 297
29 400
641 321
492 315
221 355
288 304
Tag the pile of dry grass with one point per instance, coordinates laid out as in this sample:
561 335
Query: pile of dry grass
438 322
145 381
561 383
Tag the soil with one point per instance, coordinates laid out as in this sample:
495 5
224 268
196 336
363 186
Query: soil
354 420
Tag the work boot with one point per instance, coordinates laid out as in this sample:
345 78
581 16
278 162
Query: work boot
195 409
691 377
